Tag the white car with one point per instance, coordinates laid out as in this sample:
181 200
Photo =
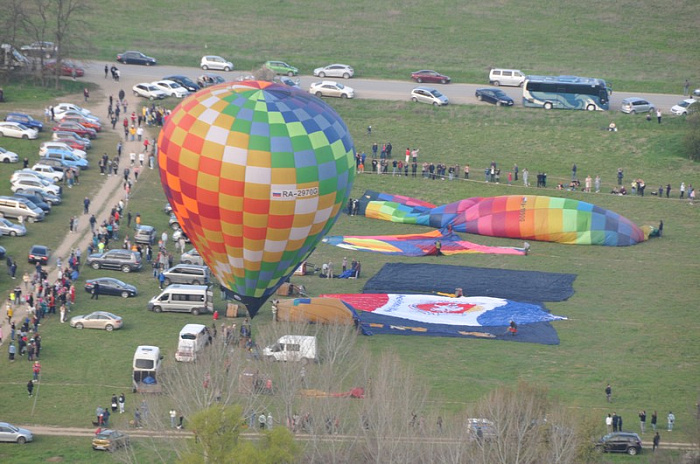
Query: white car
23 184
46 146
30 174
149 91
7 156
63 107
335 70
172 88
215 62
681 109
48 171
17 130
331 89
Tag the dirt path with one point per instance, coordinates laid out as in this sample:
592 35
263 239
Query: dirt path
111 190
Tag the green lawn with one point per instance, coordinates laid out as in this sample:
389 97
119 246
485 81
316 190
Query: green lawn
639 48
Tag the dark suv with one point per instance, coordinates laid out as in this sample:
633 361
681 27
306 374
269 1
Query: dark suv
620 442
118 259
26 120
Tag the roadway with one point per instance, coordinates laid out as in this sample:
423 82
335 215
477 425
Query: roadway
374 89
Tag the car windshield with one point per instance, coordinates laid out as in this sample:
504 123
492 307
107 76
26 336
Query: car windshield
436 93
500 94
340 86
684 104
22 126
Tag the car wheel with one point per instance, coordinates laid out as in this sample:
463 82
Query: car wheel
632 451
136 94
205 67
443 81
166 282
13 233
5 160
109 327
187 261
414 99
195 312
79 326
321 74
151 98
290 74
270 359
126 269
599 449
319 94
25 137
548 105
496 83
21 440
96 266
195 282
148 63
633 111
419 80
590 107
31 220
157 309
343 95
125 294
479 97
435 103
227 69
499 103
346 76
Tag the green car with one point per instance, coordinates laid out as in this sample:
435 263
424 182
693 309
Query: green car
280 67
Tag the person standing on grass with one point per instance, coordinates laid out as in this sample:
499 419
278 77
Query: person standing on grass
654 418
608 393
657 439
122 403
30 387
658 115
671 420
642 420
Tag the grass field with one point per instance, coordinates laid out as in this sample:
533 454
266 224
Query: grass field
636 47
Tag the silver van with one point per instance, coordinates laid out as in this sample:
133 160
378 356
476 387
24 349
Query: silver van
512 77
17 208
195 299
189 274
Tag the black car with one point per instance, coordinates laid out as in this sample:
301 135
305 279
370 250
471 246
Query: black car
133 57
118 259
184 81
496 96
47 197
36 200
3 252
39 254
620 442
111 286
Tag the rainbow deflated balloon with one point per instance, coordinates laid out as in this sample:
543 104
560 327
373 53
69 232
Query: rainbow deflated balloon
256 174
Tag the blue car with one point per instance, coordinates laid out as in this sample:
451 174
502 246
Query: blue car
68 158
25 120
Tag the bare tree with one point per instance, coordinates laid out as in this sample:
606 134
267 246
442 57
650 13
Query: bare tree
66 17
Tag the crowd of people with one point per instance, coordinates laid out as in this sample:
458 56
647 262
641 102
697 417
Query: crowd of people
408 166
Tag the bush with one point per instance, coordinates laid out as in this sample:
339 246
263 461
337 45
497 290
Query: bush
692 138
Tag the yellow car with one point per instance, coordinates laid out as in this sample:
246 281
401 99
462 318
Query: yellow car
109 440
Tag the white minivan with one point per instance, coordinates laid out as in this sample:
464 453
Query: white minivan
192 338
292 348
512 77
194 299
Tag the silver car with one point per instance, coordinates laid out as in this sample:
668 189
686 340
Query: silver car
428 95
8 227
192 257
636 105
12 434
335 70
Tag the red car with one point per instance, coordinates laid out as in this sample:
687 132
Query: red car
427 75
67 68
83 122
73 143
77 128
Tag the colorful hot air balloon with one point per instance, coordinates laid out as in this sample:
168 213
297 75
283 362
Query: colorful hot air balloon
256 174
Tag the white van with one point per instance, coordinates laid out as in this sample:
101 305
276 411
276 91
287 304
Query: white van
512 77
195 299
146 366
16 208
292 348
192 338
